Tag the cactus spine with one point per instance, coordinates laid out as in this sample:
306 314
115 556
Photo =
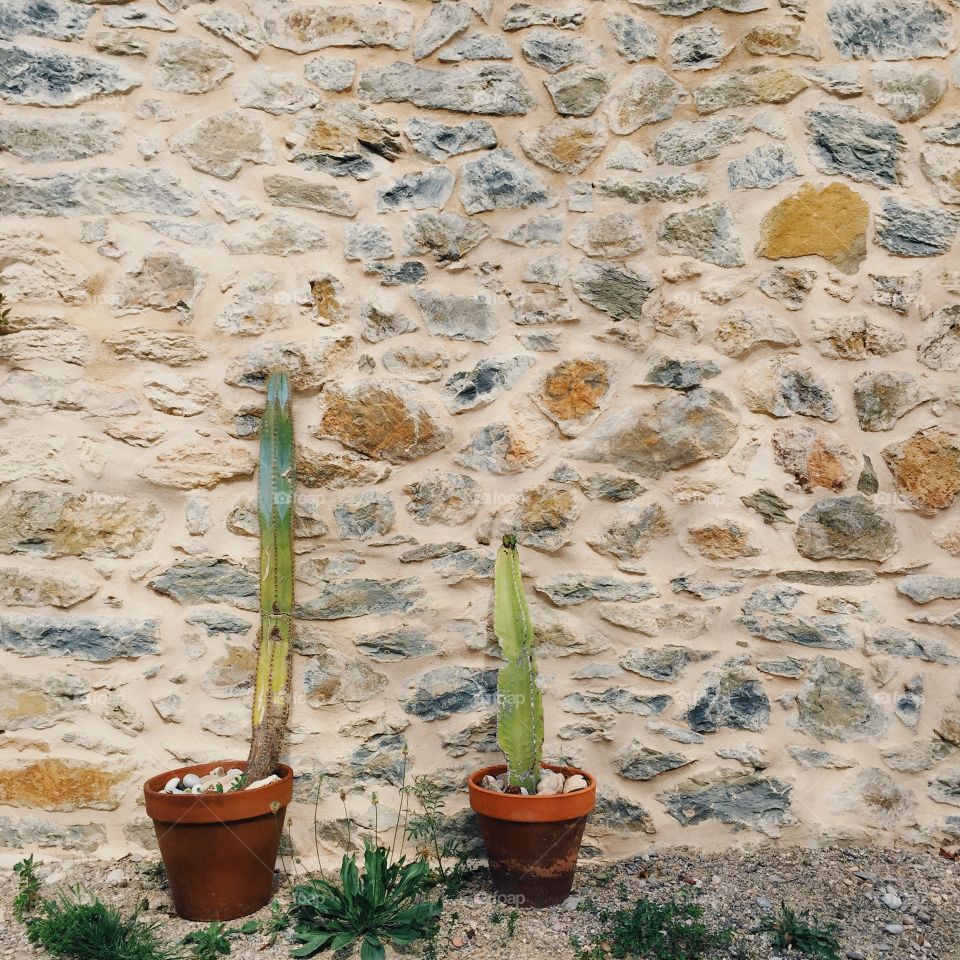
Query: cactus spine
275 481
519 705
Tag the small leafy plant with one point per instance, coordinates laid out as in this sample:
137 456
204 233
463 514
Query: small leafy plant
271 927
800 933
657 931
4 313
210 942
28 888
89 930
426 828
386 903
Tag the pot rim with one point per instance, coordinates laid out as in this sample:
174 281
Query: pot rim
550 808
215 807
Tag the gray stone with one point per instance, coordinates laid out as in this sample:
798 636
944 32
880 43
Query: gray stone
615 700
945 787
706 233
332 678
703 589
489 379
464 565
222 143
383 758
218 622
97 640
566 146
638 762
917 756
456 316
500 448
441 692
731 697
490 88
742 331
447 498
761 169
855 338
342 138
287 191
446 236
846 528
378 323
257 305
570 589
630 534
907 93
840 80
46 141
673 433
683 621
646 95
522 15
438 140
612 235
49 78
749 87
923 588
665 663
273 92
554 50
940 350
729 796
634 39
191 66
56 524
477 46
235 28
304 27
834 703
890 29
700 47
894 642
40 702
911 229
359 597
499 180
311 363
208 580
579 90
847 141
810 758
367 241
788 286
946 130
690 141
444 21
419 190
19 833
668 189
334 74
281 236
680 374
614 289
52 19
781 40
824 632
24 587
941 167
160 280
780 388
364 515
883 397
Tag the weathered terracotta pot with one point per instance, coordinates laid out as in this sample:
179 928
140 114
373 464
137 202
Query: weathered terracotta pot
532 842
219 849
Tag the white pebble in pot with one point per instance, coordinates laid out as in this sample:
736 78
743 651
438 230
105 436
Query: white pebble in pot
191 780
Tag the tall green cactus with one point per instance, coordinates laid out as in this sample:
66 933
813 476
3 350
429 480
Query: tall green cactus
275 481
519 705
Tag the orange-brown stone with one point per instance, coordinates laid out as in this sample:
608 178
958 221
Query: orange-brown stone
573 391
54 784
829 223
926 468
724 540
374 418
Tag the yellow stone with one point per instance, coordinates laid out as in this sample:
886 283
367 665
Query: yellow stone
829 223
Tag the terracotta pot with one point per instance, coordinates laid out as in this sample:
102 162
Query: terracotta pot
219 849
532 842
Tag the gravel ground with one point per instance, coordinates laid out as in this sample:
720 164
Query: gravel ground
887 903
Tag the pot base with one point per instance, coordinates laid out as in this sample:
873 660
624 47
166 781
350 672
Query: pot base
532 842
219 850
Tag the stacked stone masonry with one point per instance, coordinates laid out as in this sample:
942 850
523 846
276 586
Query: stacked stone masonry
668 287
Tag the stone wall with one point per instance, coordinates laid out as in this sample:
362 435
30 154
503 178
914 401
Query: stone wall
669 287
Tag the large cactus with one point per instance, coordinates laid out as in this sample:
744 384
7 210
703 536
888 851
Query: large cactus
271 698
519 705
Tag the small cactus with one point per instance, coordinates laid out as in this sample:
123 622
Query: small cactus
271 698
519 705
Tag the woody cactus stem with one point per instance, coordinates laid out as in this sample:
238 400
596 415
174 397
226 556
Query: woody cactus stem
519 705
272 693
